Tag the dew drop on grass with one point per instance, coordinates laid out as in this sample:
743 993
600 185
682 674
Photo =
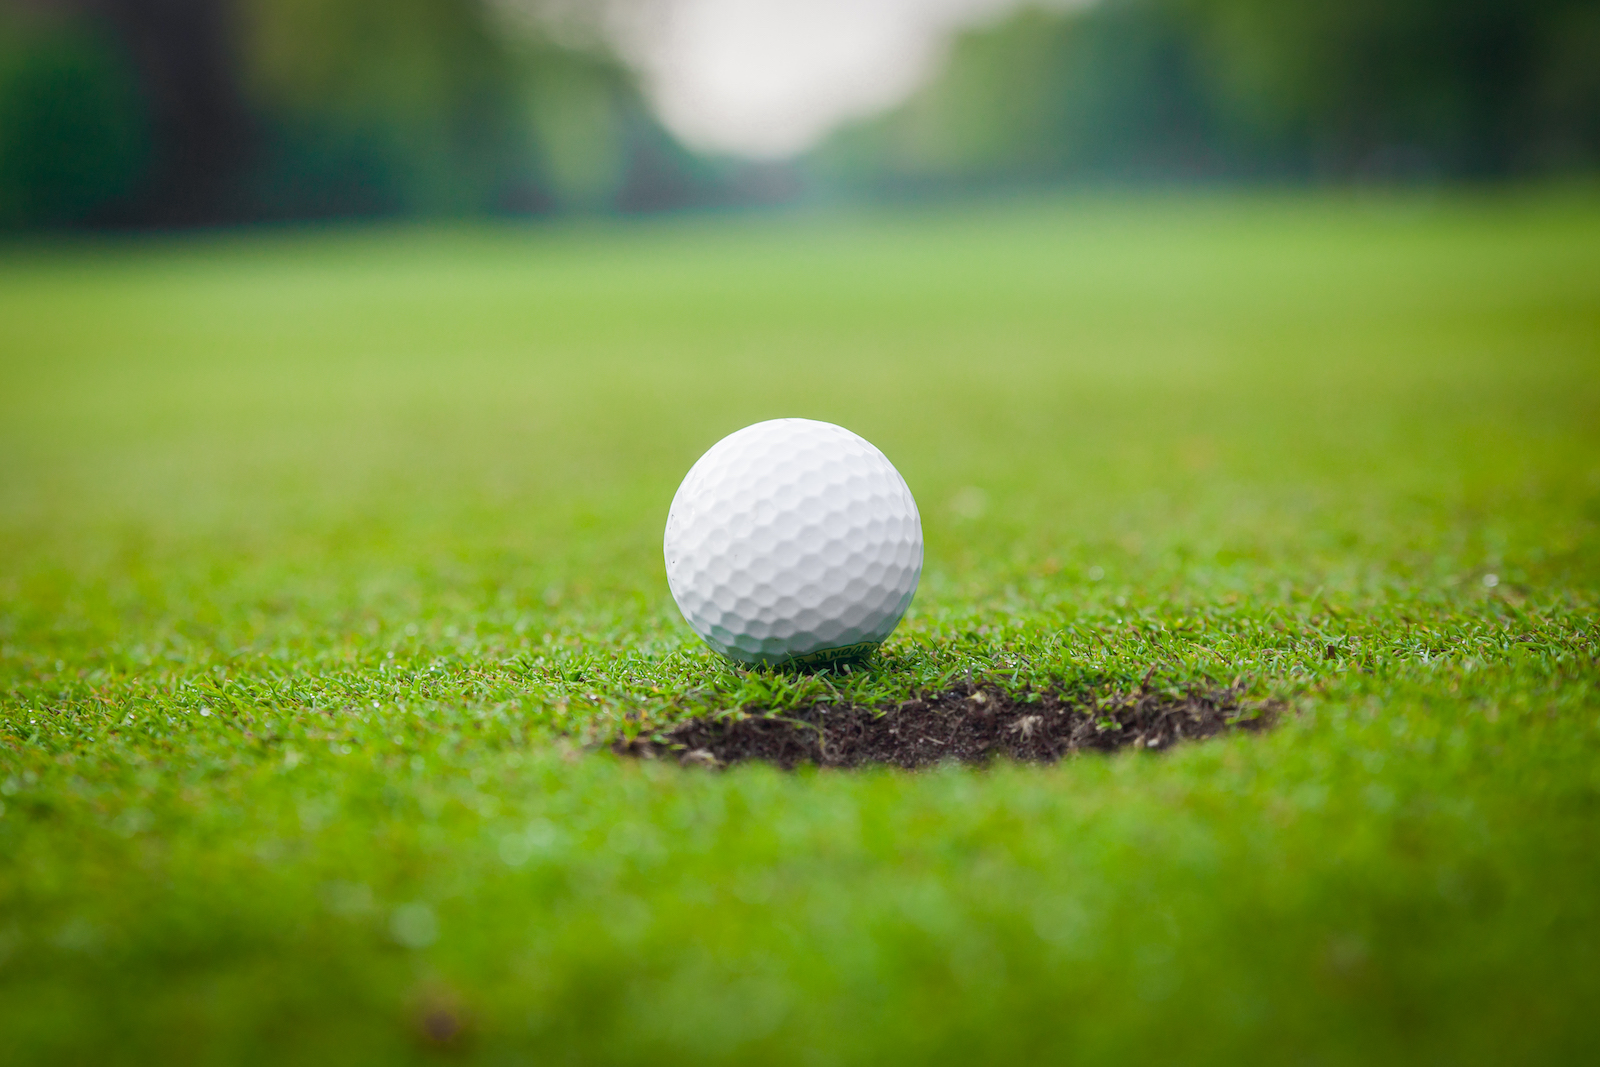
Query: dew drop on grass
970 503
515 849
348 899
414 925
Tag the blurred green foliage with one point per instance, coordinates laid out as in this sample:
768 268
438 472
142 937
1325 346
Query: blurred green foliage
432 107
1205 88
72 133
293 109
380 108
194 111
1479 86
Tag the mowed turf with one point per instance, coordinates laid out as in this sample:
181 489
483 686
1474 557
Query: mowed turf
330 562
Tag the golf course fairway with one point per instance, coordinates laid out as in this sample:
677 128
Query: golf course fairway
331 570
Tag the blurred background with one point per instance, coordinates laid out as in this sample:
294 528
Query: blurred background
181 113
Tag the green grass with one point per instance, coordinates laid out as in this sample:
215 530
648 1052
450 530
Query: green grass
323 557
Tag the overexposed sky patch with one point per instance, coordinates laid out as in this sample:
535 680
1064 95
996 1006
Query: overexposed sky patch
769 78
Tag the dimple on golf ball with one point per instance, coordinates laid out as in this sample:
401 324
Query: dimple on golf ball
793 541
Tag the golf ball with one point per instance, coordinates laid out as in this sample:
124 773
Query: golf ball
793 541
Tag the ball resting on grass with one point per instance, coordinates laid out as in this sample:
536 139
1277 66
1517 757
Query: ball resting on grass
793 541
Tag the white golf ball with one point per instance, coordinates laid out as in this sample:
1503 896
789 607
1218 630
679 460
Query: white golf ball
793 541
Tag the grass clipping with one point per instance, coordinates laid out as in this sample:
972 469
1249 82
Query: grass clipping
968 724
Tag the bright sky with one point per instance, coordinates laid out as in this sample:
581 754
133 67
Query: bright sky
769 78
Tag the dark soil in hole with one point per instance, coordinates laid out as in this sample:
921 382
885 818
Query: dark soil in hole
971 724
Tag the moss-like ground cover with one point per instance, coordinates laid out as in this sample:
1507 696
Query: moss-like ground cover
328 562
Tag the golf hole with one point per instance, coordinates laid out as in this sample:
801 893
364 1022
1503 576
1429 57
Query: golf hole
969 724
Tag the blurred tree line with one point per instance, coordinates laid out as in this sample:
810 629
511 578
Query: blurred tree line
1269 89
195 112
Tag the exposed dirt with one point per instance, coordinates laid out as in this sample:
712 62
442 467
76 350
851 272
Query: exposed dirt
971 724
